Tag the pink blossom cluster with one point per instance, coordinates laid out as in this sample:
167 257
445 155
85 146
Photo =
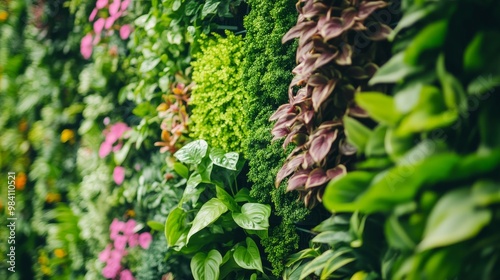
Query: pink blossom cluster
113 143
122 233
105 26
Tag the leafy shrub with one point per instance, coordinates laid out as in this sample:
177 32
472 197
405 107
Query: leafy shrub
266 75
219 99
431 168
332 68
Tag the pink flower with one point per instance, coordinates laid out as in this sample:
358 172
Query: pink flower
119 175
116 257
120 242
115 228
126 275
99 25
114 7
93 14
125 31
116 131
105 254
111 270
101 4
117 147
129 228
86 46
110 21
105 149
145 239
125 4
133 240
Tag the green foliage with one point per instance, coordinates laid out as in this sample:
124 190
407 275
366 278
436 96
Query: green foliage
219 98
267 73
213 219
430 167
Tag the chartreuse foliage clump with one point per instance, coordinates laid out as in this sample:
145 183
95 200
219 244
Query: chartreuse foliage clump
219 99
267 73
431 164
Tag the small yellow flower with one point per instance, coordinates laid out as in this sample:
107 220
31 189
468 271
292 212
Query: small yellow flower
130 213
68 135
3 16
53 197
46 270
60 253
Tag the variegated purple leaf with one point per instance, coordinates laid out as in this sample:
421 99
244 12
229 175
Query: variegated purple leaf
349 17
308 161
338 170
282 110
279 132
317 79
331 28
378 32
320 94
297 30
315 9
347 149
367 8
325 58
345 55
317 177
321 145
358 26
357 111
288 168
298 180
286 120
370 69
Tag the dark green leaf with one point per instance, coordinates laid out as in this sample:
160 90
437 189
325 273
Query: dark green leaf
210 8
226 198
357 134
181 169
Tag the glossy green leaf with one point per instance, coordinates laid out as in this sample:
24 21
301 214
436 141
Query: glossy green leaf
411 17
379 106
375 146
486 192
156 225
181 169
430 38
210 8
316 264
226 198
253 216
209 213
455 218
333 237
341 193
175 226
206 266
397 236
222 159
336 262
393 71
192 192
357 134
396 145
192 153
453 91
248 257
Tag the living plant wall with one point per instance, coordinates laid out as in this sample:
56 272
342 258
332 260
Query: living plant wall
231 139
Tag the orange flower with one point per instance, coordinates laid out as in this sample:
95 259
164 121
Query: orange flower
23 125
21 179
130 213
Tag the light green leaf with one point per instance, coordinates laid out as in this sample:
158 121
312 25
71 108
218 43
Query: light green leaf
455 218
379 106
486 192
430 38
209 213
357 134
341 194
335 262
317 264
210 8
175 226
226 198
375 146
206 266
248 257
181 169
393 71
191 192
192 153
226 160
253 216
333 237
156 225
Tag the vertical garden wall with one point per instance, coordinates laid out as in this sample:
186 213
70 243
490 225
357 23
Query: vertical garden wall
205 139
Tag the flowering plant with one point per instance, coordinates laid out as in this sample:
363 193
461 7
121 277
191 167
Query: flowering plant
105 26
113 143
122 233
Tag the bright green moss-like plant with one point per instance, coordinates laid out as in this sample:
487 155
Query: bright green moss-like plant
219 98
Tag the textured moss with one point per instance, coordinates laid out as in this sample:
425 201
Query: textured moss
267 73
219 98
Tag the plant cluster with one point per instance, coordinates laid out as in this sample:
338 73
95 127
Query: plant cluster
431 162
219 95
216 220
330 71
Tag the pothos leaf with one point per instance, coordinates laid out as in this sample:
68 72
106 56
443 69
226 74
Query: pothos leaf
206 266
248 257
209 213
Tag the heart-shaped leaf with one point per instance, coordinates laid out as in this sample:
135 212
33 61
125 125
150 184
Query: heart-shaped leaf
193 152
209 213
248 257
254 216
206 266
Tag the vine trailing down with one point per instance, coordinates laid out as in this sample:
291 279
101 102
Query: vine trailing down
331 70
